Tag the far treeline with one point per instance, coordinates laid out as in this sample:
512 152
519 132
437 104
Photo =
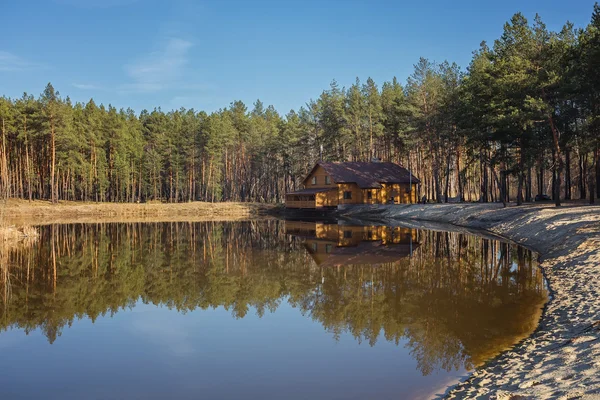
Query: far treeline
523 119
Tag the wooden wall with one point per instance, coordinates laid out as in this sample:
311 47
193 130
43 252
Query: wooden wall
399 193
379 196
328 199
320 174
357 193
375 196
317 200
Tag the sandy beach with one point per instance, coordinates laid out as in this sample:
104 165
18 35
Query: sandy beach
561 359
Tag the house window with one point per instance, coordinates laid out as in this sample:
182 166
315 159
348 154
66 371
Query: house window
369 194
347 234
347 195
314 180
327 180
314 247
328 248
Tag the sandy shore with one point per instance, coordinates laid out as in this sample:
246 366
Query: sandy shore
20 212
561 360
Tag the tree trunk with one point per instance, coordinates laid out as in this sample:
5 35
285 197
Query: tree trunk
53 186
528 192
554 176
154 179
459 183
484 184
541 178
591 181
447 187
371 136
4 176
558 161
582 175
139 199
507 185
521 179
27 162
436 177
503 178
597 163
568 174
503 188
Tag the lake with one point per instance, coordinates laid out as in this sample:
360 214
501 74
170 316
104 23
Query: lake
257 310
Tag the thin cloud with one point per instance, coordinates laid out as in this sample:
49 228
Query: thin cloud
86 86
12 62
159 70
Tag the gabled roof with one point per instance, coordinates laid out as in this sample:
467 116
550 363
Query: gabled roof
367 174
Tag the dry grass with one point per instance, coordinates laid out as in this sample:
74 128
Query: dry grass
21 212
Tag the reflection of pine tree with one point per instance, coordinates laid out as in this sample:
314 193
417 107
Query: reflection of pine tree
459 300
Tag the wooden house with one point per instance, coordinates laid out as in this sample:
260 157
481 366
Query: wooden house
330 184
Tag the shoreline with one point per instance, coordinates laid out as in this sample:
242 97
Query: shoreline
41 212
561 359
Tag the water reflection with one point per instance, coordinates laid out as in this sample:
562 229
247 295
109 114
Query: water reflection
453 299
458 299
338 245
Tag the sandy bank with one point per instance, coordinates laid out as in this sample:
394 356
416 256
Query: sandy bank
19 212
561 360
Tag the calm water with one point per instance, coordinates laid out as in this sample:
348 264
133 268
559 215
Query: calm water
259 310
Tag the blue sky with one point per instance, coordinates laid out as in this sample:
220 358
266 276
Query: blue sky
205 54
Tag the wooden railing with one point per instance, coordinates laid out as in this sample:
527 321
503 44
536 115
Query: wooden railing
300 204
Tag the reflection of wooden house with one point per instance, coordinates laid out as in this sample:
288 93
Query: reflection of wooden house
331 184
336 245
